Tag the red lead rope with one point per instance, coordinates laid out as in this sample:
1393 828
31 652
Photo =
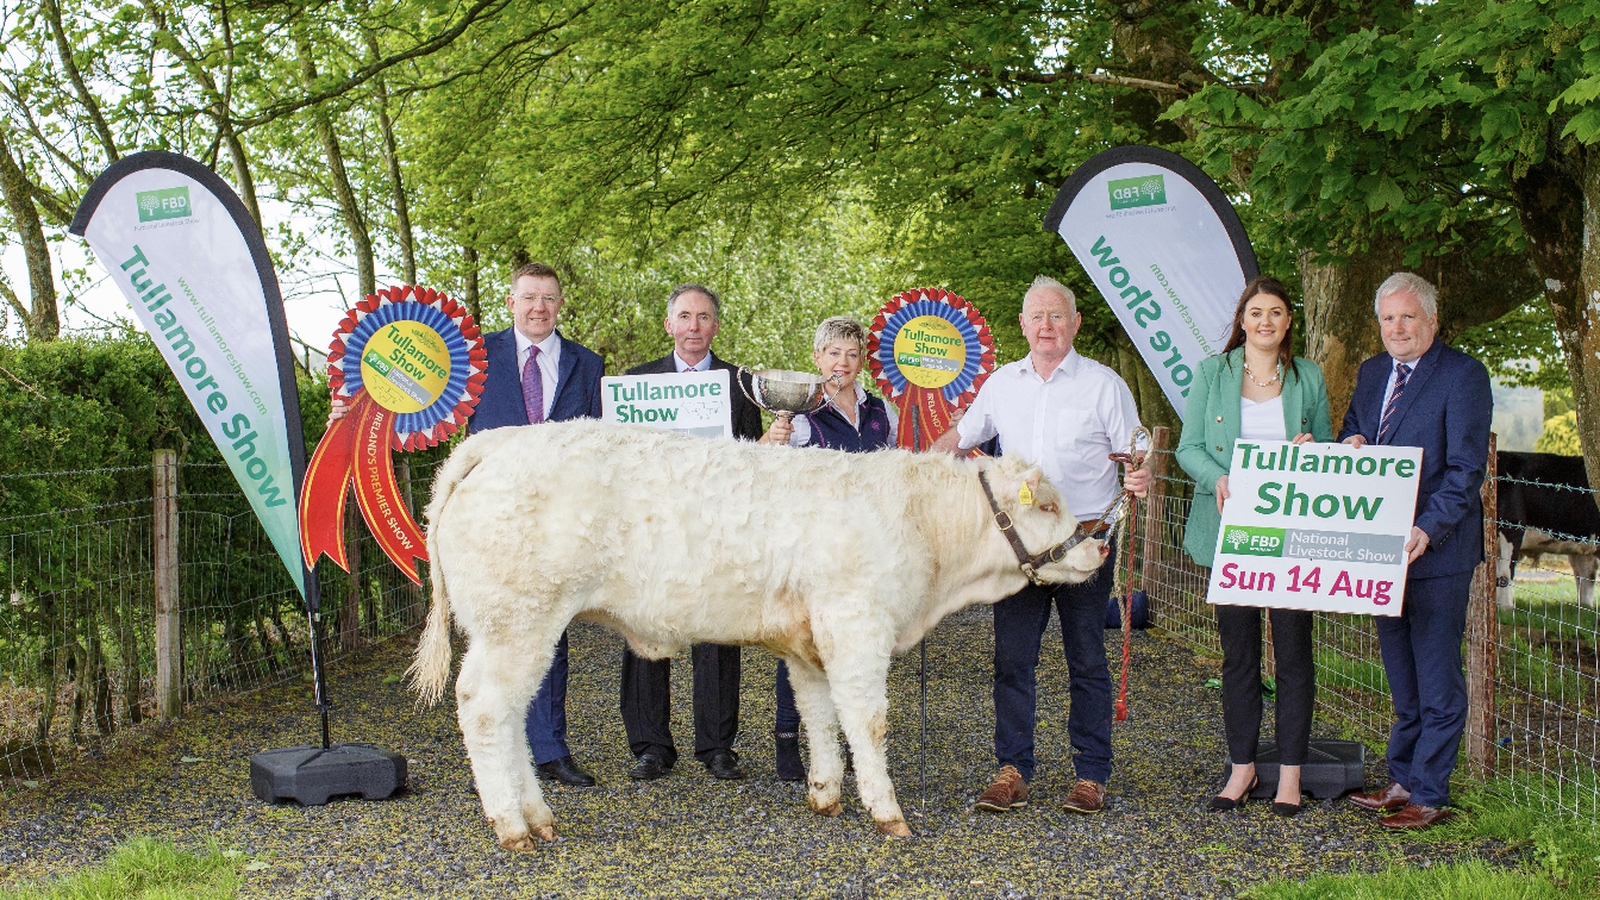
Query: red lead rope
1132 460
1127 616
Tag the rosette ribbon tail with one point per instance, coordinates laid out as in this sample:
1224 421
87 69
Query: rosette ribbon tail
378 494
322 493
924 416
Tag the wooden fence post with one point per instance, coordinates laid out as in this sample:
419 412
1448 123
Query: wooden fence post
169 632
1154 506
1483 636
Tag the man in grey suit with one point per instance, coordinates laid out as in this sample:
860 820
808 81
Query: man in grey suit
694 314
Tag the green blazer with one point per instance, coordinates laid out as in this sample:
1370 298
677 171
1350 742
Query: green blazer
1211 425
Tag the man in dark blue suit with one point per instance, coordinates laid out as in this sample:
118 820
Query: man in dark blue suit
694 313
1422 393
536 375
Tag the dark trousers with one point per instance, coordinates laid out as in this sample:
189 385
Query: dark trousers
546 722
647 701
787 719
1422 657
1239 627
1019 623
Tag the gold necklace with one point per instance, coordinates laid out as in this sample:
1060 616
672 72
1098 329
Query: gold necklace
1258 383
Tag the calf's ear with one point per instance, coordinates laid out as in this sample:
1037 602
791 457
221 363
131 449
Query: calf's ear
1031 478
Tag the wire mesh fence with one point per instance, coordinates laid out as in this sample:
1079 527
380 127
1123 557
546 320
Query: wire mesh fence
1535 673
78 654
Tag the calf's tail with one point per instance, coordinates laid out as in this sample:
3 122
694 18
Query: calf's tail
430 668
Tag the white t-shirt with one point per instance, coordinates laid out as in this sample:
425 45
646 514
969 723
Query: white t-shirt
1067 425
1261 420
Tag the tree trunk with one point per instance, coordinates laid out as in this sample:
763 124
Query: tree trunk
42 322
349 208
391 160
1341 329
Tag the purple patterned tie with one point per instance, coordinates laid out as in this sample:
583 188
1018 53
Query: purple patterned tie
1386 424
533 387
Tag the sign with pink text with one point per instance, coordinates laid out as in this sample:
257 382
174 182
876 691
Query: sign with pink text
1316 526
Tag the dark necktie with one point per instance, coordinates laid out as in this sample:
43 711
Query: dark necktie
533 387
1387 423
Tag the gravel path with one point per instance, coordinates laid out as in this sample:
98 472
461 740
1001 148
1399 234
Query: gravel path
690 836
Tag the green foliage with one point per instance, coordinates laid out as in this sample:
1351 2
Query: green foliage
1560 435
1520 348
1564 863
145 869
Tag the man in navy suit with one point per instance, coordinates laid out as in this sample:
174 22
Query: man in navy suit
694 313
1422 393
536 375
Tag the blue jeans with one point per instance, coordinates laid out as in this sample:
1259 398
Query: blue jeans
546 722
1422 657
1019 623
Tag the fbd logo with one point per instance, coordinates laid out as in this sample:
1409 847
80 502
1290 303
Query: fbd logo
170 203
1244 540
1146 190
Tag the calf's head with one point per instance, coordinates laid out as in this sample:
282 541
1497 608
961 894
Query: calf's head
1041 518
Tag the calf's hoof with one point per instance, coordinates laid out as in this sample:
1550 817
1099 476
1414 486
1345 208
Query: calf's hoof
832 809
525 842
895 828
546 833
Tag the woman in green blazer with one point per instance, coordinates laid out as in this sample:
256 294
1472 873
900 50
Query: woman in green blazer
1259 390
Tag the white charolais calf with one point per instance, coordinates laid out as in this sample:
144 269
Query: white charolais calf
832 561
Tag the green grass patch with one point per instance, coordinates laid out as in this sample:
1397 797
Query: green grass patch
1561 862
1341 670
145 869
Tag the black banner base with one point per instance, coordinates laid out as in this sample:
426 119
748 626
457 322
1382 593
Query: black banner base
311 775
1332 769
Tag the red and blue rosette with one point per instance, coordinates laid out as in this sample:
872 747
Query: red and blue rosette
930 350
410 362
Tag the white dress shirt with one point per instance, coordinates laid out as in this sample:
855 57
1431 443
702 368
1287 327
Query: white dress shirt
704 365
549 363
1067 424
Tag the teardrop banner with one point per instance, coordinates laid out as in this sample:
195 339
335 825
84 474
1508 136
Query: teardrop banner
183 249
1166 250
411 363
930 351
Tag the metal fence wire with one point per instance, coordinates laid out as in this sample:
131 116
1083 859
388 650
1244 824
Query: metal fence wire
77 629
77 651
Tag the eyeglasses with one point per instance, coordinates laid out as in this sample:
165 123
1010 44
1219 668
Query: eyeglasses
545 299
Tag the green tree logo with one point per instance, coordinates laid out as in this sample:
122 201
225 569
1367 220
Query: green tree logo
169 203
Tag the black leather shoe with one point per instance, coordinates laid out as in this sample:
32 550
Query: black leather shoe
649 767
724 764
565 771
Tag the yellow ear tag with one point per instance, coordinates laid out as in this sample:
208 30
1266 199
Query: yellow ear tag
1024 496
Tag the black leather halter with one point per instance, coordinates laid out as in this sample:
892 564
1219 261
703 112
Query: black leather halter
1029 563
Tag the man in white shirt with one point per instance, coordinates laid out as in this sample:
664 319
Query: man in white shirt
1066 414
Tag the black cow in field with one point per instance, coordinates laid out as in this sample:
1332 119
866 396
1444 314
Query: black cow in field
1531 515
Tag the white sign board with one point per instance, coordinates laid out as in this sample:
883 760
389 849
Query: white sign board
1316 526
692 402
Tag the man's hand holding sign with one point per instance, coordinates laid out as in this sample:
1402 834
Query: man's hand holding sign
1317 526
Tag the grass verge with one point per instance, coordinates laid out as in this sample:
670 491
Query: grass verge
145 869
1560 861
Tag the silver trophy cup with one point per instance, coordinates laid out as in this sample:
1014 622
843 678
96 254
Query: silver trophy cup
783 392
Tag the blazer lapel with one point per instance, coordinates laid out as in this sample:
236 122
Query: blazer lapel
1426 365
1293 405
564 369
504 358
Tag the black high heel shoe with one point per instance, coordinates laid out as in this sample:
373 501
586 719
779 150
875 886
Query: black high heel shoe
1227 804
1286 809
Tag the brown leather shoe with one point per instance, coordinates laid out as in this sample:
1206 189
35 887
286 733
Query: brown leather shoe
1414 817
1008 791
1391 798
1086 797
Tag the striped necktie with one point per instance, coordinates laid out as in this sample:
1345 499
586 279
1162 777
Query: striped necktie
1387 423
533 387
